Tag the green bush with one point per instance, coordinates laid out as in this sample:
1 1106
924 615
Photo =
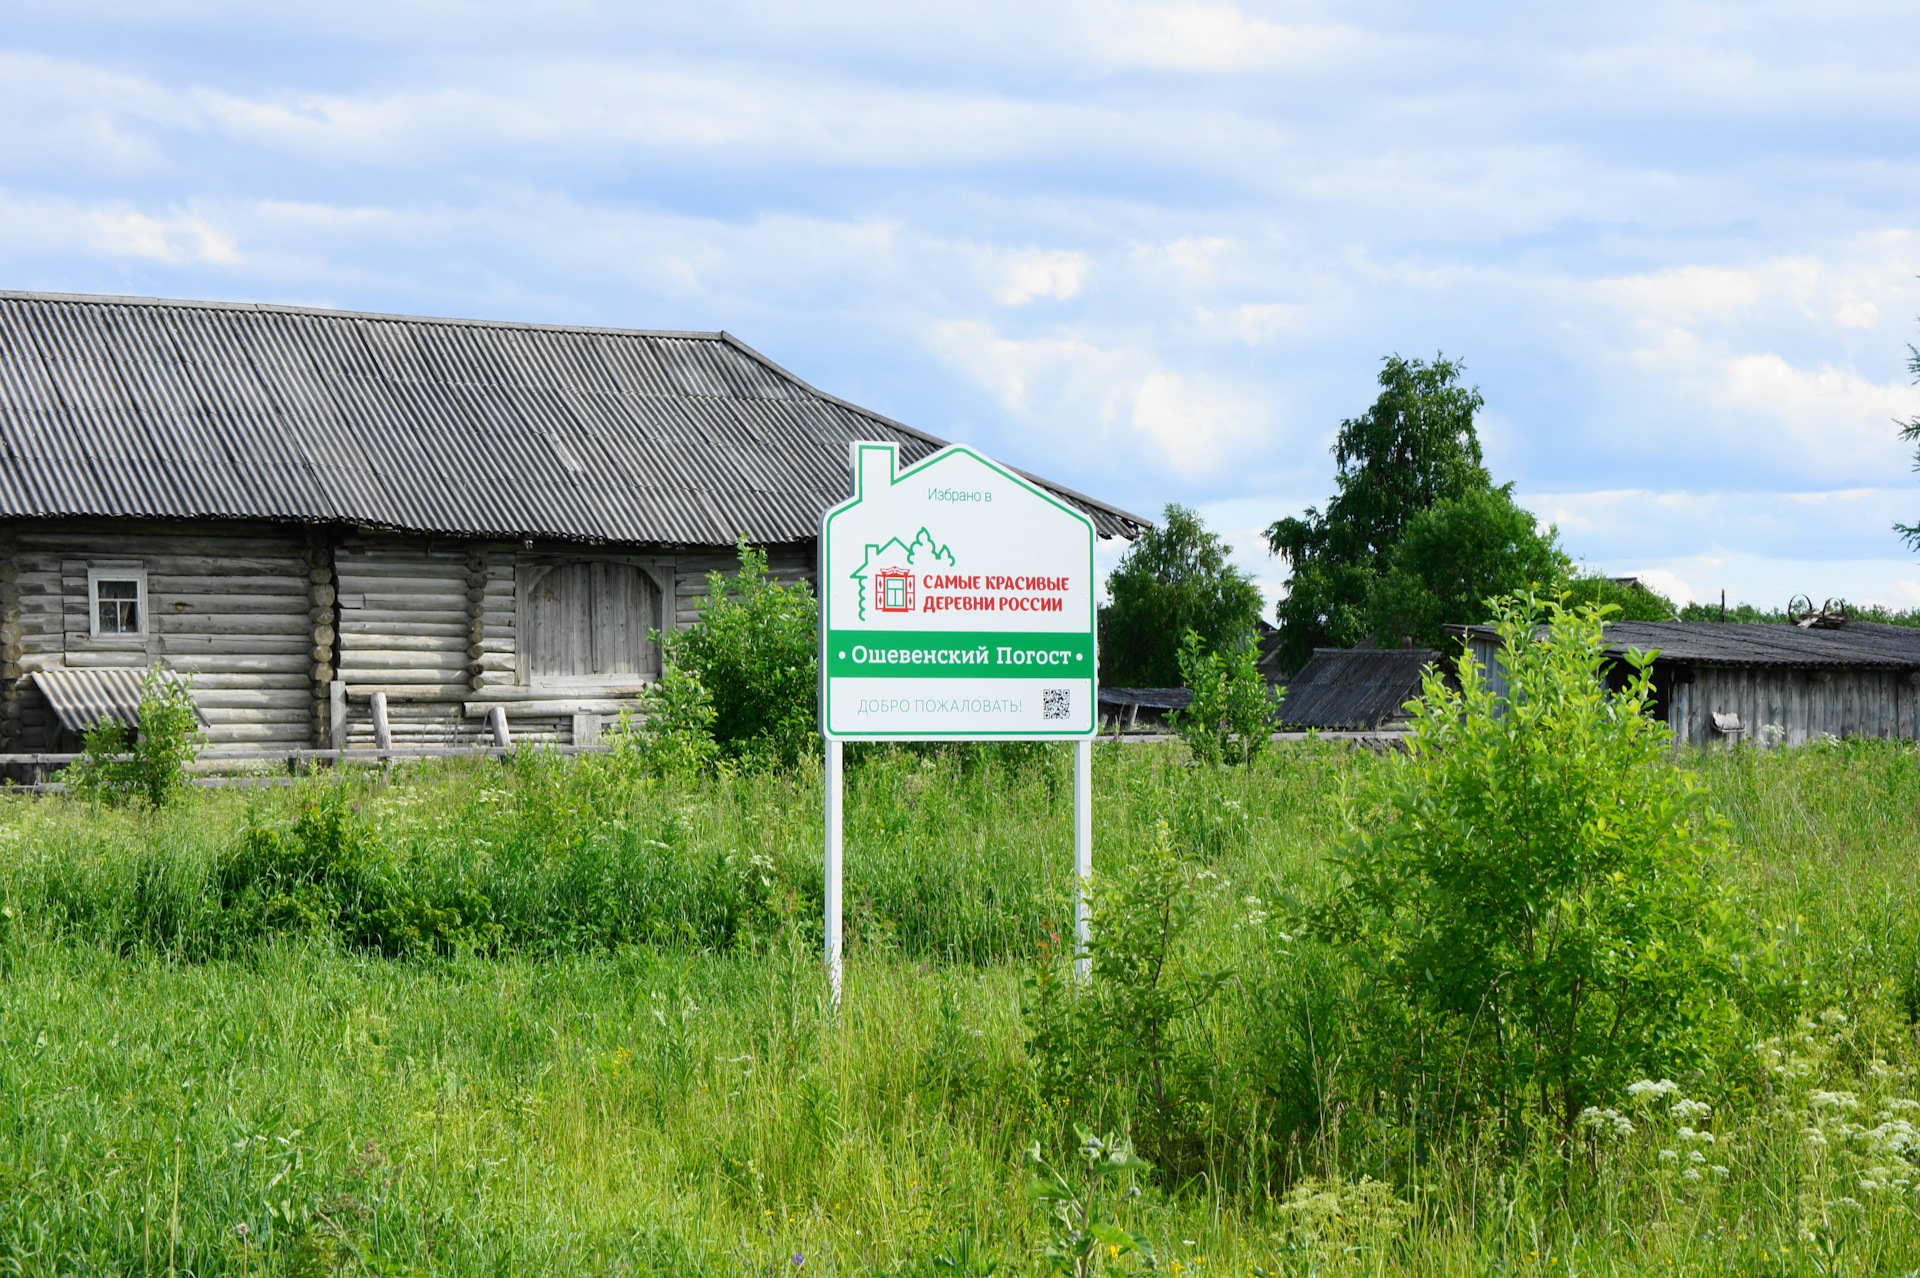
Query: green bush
675 733
1230 719
118 765
756 652
1529 882
1126 1049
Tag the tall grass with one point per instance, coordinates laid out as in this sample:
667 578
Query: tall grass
618 1059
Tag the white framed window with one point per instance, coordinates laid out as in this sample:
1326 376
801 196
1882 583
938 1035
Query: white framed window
117 602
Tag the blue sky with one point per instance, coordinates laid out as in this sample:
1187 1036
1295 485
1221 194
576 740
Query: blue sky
1154 251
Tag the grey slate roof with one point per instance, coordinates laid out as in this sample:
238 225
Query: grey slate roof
136 407
1859 644
1354 689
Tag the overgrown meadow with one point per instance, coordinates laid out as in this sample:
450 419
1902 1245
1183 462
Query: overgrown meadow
567 1017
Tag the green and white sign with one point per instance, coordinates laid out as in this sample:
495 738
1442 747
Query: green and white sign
957 601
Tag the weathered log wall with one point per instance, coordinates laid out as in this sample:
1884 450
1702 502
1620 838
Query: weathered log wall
227 603
266 617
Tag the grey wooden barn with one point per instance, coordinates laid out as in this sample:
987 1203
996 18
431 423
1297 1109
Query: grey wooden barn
1771 684
313 512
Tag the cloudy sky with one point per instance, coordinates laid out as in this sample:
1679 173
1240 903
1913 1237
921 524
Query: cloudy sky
1154 251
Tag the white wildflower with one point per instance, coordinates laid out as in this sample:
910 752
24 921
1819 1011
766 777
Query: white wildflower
1720 1170
1815 1139
1897 1135
1691 1136
1605 1122
1647 1089
1686 1111
1695 1156
1899 1103
1691 1173
1832 1100
1669 1156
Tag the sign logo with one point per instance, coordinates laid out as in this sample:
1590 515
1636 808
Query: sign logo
957 601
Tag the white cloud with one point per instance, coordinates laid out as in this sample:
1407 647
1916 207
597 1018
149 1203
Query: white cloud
1069 385
1254 323
1202 36
177 239
1036 273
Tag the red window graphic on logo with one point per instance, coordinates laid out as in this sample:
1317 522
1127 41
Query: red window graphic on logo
893 590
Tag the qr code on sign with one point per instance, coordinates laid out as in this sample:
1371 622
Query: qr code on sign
1056 703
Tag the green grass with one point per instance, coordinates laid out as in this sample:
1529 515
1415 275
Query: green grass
589 1037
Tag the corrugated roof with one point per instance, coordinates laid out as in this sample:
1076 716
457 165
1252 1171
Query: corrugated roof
1148 698
1860 644
1353 689
139 407
82 698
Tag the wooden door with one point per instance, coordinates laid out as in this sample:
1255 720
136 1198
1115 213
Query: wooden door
590 620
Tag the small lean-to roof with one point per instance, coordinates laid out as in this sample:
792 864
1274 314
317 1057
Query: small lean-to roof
1863 645
83 697
136 407
1354 689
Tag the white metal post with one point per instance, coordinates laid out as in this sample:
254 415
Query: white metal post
834 828
1082 854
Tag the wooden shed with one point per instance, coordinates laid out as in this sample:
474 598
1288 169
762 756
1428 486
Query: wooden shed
1770 684
305 508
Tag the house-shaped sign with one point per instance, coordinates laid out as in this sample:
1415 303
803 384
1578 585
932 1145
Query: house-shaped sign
957 601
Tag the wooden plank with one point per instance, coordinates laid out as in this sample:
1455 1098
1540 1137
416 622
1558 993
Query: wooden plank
227 664
236 645
233 587
451 658
359 641
398 587
253 699
386 675
382 735
448 692
556 706
222 716
349 625
406 606
187 623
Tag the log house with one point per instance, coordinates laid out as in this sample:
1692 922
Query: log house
325 517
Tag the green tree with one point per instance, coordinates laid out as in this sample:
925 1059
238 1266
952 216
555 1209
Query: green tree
1529 881
1910 431
1174 578
1455 557
1414 447
1631 601
756 654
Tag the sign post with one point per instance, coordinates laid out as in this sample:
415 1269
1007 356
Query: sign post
957 603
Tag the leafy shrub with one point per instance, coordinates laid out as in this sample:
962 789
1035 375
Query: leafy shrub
1529 880
755 650
1124 1048
328 873
1231 716
118 765
675 735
